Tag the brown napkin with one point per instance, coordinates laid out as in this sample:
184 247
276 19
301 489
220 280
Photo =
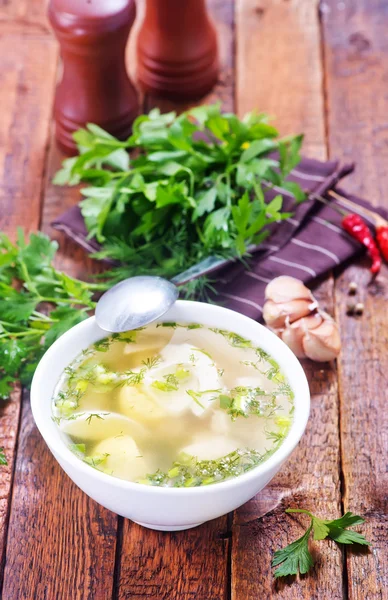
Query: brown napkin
305 246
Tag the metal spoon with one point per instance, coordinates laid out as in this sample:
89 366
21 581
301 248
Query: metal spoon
134 302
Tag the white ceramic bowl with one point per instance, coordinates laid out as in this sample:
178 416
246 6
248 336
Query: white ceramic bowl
167 509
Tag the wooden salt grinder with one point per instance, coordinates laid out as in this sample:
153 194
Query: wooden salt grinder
94 87
177 49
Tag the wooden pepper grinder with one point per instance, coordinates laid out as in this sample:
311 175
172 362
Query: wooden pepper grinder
177 49
94 87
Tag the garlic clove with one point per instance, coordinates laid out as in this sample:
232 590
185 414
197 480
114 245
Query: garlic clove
323 343
285 288
275 314
293 334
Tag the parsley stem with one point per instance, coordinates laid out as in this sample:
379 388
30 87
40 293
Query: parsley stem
22 334
71 301
7 324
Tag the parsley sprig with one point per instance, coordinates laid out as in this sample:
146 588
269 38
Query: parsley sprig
193 187
296 557
38 303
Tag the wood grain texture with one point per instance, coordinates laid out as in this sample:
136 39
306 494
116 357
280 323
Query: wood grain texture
279 42
187 565
25 100
24 14
356 66
191 564
356 62
61 544
309 480
27 67
76 560
278 66
9 420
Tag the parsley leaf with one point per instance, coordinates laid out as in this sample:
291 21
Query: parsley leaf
296 556
3 460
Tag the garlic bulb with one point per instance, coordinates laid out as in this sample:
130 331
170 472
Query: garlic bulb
294 333
323 343
276 313
285 288
292 311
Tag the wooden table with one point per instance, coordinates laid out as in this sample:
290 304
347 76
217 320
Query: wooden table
322 71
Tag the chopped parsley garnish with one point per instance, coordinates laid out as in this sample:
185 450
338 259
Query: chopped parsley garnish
187 471
243 401
96 460
197 395
202 351
102 345
296 557
235 340
170 384
171 324
78 449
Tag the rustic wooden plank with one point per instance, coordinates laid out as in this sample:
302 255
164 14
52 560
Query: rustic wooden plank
278 66
24 14
356 68
9 421
61 544
26 102
78 555
80 534
194 563
23 135
279 72
185 565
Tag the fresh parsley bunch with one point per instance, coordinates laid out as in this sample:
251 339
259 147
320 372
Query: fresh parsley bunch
296 557
37 304
193 187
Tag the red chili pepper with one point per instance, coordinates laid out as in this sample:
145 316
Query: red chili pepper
382 239
360 231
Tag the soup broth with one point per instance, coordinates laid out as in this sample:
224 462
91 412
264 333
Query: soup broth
173 405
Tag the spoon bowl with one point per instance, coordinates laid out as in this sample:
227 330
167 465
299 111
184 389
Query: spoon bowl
135 302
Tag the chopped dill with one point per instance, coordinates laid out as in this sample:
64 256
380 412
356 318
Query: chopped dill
197 395
243 401
202 351
171 383
96 415
152 362
132 377
188 471
262 354
285 388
